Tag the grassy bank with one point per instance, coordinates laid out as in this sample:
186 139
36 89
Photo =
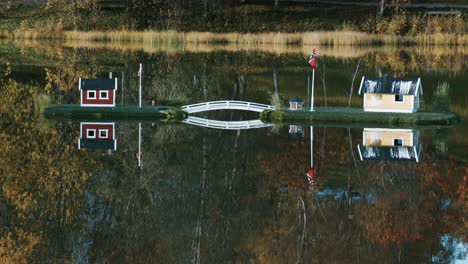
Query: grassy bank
344 116
127 112
245 25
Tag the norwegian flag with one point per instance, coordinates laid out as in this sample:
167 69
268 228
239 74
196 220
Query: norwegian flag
313 60
311 177
140 71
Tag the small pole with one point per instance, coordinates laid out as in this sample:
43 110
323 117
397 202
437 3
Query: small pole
140 73
311 146
139 145
123 87
312 93
308 88
110 75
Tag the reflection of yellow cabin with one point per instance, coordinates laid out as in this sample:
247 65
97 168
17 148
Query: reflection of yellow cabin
392 144
388 137
390 94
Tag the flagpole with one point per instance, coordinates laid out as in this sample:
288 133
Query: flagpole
311 146
140 73
312 93
139 144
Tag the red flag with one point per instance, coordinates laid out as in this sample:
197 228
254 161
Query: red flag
311 177
313 60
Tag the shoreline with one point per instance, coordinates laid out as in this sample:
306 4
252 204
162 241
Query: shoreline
351 116
298 39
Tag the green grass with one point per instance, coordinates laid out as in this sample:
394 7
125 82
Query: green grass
129 112
350 117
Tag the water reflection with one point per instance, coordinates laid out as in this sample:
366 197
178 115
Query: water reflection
97 136
224 196
390 144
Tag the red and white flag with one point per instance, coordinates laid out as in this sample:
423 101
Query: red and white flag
313 60
311 177
140 71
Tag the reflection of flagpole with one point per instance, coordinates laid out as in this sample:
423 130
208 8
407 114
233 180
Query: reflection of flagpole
140 73
139 145
312 93
311 146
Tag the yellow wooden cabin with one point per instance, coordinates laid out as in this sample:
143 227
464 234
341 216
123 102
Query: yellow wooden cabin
391 144
391 94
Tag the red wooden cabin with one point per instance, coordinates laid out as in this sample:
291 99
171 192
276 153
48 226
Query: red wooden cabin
98 92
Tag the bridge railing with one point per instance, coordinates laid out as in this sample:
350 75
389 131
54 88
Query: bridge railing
224 105
228 125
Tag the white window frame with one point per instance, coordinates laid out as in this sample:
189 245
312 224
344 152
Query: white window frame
402 142
402 101
89 130
103 130
104 92
89 97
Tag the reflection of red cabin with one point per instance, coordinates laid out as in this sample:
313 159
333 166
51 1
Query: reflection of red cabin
98 92
97 136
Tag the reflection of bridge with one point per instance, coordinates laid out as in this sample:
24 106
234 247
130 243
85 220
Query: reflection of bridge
226 105
227 125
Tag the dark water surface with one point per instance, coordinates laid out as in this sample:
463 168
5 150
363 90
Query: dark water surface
203 195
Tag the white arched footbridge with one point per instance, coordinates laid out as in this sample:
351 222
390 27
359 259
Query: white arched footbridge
226 105
226 125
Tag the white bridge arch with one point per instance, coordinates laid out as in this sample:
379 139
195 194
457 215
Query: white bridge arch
225 105
226 125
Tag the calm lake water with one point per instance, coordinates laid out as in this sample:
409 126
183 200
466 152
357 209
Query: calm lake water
186 194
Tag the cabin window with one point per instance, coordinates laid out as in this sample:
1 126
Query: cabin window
397 142
104 95
91 95
103 133
399 97
90 133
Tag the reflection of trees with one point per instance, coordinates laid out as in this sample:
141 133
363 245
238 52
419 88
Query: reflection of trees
43 180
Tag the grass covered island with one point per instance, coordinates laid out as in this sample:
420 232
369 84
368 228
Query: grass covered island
345 116
121 113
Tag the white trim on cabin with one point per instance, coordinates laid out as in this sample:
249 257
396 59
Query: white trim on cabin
101 92
99 123
388 129
360 87
90 130
106 131
388 110
88 97
359 150
115 92
81 93
99 105
416 156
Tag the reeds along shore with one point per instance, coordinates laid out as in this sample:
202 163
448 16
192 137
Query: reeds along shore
170 37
